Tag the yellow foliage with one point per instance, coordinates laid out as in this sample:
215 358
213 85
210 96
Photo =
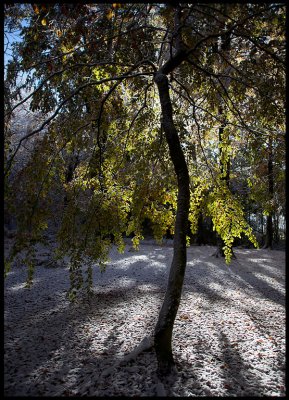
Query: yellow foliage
36 9
228 219
109 14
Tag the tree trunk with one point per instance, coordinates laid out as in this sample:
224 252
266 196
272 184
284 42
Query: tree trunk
219 250
262 228
200 240
276 237
262 224
269 225
164 326
269 233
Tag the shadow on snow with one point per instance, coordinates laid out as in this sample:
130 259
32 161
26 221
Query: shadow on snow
132 275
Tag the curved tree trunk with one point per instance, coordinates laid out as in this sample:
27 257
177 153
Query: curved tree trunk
164 327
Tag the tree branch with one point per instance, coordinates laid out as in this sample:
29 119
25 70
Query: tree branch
74 93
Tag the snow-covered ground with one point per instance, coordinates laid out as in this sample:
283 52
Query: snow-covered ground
228 340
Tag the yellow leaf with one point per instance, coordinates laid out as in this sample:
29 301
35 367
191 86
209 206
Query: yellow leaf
43 22
36 9
109 14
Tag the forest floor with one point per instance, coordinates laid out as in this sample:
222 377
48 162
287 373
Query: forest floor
228 339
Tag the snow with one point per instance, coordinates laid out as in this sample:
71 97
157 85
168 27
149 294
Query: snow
228 339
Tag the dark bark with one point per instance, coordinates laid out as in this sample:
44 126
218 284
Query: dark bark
262 226
276 237
180 56
219 250
269 233
164 327
200 239
269 225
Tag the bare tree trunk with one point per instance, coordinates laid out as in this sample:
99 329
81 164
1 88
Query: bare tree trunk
269 233
276 237
200 240
164 327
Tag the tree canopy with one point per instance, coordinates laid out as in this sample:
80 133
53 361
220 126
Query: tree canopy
89 69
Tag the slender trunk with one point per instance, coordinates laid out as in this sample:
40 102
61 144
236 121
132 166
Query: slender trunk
164 326
200 240
276 237
262 229
269 233
269 225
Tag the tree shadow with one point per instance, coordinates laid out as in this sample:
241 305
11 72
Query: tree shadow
237 377
66 362
237 275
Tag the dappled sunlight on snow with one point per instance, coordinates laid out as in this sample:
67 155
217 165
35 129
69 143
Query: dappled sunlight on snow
22 285
257 260
229 323
146 260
